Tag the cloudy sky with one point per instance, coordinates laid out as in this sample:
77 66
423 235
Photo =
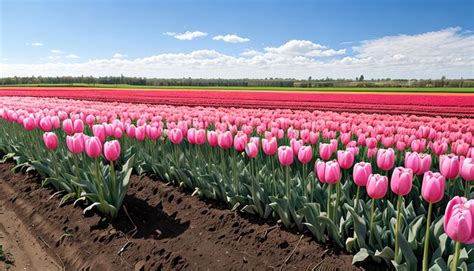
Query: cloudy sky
236 39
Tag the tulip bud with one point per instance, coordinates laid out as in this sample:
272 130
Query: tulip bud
50 140
377 186
285 155
112 150
93 147
458 220
175 135
449 166
305 154
269 146
328 172
251 150
385 158
345 159
432 188
402 181
361 173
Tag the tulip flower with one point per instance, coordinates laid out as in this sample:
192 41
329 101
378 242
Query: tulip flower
240 142
376 189
345 159
449 166
93 147
75 143
401 184
305 154
269 146
285 156
212 138
68 126
432 191
225 140
99 131
458 224
325 151
112 150
140 133
385 159
419 163
361 173
467 173
45 124
50 140
175 136
251 150
29 124
78 126
330 173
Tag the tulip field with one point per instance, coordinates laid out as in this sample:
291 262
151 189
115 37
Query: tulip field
392 189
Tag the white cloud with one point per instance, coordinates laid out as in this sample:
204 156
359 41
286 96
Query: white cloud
304 48
73 56
119 55
232 38
188 35
56 51
35 44
448 52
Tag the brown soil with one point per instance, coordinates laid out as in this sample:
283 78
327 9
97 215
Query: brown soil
174 230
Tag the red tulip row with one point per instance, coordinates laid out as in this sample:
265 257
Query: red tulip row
395 103
348 150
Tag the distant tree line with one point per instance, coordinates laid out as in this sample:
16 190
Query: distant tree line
267 82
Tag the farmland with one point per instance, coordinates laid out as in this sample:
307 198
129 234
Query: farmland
159 178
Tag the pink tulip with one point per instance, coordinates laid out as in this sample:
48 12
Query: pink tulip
140 133
152 132
439 147
361 173
432 188
225 140
371 142
29 124
191 136
402 181
130 130
239 142
345 159
68 126
75 143
371 152
99 131
78 126
50 140
418 162
45 124
251 150
112 150
449 166
117 132
467 169
200 136
377 186
325 151
460 148
93 147
296 145
418 145
328 172
212 138
285 155
269 146
385 158
458 220
175 135
305 154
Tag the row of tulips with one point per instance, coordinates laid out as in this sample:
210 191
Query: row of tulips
319 171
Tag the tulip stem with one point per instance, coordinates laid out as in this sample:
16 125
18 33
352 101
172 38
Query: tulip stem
357 198
427 238
328 208
273 176
112 172
304 180
287 171
467 190
454 265
338 196
372 217
397 226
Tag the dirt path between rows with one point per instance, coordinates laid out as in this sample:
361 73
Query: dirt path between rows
173 231
23 251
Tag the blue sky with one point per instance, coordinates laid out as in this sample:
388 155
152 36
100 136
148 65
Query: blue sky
322 38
